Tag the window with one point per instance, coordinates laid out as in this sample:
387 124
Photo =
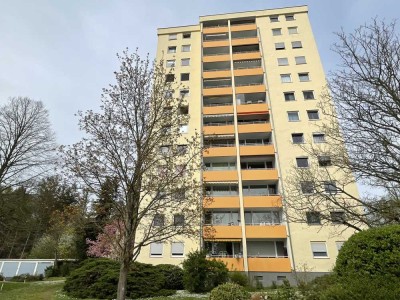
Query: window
171 63
276 31
156 249
307 187
313 218
319 249
279 46
289 96
180 194
339 245
286 78
330 187
164 150
158 220
292 30
182 149
169 78
324 161
274 19
177 249
337 217
186 35
318 137
184 110
302 162
185 76
179 220
308 95
300 60
293 116
183 128
171 49
283 61
186 48
185 61
289 17
304 77
297 45
169 94
172 36
297 138
313 114
184 93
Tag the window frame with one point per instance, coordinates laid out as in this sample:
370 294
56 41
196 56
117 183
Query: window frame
337 220
274 19
289 98
304 190
183 62
310 114
298 135
156 254
170 63
302 159
303 76
172 249
172 36
300 60
183 48
292 112
285 61
288 75
297 45
313 218
320 243
289 17
186 33
293 30
307 98
318 134
276 31
280 46
169 49
184 74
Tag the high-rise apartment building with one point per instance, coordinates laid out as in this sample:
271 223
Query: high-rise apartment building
252 82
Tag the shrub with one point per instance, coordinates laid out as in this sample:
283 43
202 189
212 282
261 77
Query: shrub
27 277
373 252
239 278
173 276
229 291
284 292
201 274
62 270
98 278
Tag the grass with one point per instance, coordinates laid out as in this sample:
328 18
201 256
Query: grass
49 290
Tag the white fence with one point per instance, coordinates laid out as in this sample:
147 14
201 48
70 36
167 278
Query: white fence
13 267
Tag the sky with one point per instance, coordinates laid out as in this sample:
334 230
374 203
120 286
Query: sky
63 52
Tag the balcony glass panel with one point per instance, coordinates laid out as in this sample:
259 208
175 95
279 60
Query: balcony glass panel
249 80
244 34
266 249
254 142
217 101
218 166
222 190
215 37
217 66
253 98
259 190
245 49
253 119
224 249
218 23
217 83
219 143
215 51
242 22
247 64
262 217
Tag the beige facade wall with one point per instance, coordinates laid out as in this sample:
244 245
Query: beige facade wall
299 236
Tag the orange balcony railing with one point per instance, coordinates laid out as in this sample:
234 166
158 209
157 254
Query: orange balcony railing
221 175
261 264
266 231
219 151
219 29
262 201
244 41
252 108
257 150
218 110
260 174
221 202
257 127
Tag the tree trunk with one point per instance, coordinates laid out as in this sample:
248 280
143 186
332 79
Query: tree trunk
123 274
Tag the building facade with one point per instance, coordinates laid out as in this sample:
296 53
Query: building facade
252 82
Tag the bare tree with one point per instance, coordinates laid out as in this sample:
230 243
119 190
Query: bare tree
27 143
361 113
136 141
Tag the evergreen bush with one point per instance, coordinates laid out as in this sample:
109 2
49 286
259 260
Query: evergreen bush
201 275
98 278
229 291
239 278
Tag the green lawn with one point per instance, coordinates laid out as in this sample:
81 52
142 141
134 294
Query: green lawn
47 290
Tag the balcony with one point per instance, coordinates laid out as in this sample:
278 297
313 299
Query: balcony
232 263
265 264
252 108
218 124
222 175
212 232
260 190
262 201
221 202
219 151
216 54
256 149
215 29
216 73
244 41
266 231
220 69
218 109
243 27
255 124
247 67
246 52
243 34
215 87
266 174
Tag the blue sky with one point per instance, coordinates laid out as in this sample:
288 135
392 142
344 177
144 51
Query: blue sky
63 52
